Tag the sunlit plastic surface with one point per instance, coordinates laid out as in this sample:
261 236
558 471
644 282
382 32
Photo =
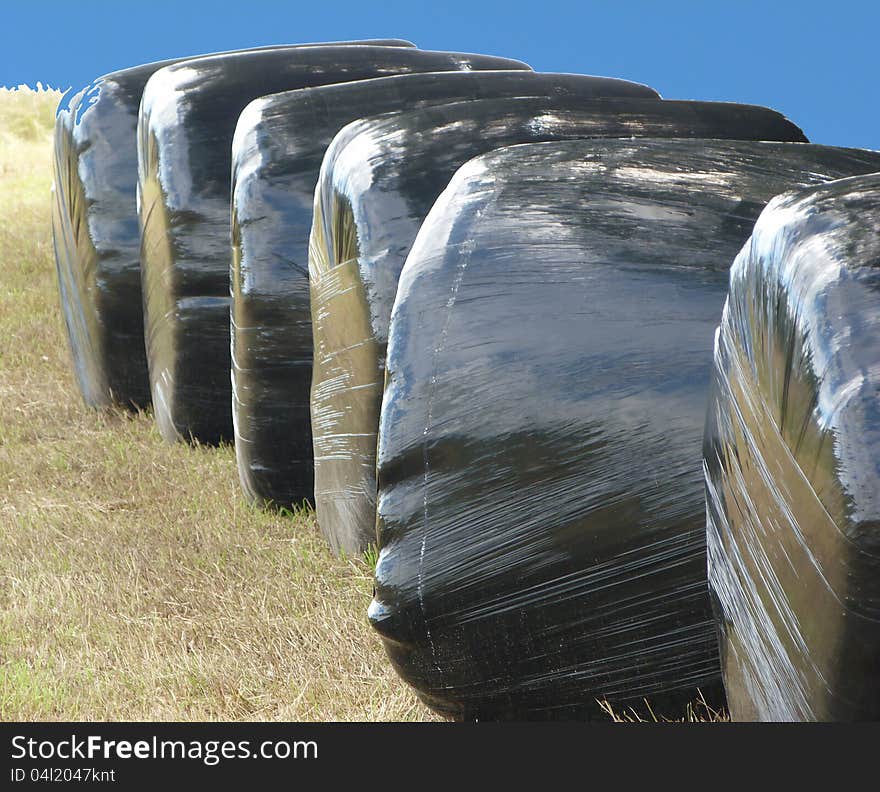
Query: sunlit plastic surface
95 228
540 511
278 150
379 179
185 130
792 461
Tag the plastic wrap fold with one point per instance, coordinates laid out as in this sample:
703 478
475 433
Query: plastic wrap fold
279 145
792 467
185 130
379 179
540 504
95 228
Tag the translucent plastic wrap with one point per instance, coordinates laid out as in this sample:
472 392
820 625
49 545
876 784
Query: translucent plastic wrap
187 120
540 506
792 461
379 179
95 227
279 145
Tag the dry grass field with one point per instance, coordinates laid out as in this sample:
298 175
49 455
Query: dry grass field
135 582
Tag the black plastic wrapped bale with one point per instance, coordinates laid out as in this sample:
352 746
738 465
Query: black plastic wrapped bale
379 179
792 456
278 149
95 231
185 130
95 228
540 512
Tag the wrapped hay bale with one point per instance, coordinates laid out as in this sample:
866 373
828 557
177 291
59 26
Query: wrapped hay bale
95 228
792 473
185 130
379 179
540 508
95 231
279 145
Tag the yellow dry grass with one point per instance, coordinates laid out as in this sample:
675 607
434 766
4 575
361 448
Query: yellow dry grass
135 583
698 711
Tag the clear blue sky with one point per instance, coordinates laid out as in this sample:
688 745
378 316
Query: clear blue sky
818 63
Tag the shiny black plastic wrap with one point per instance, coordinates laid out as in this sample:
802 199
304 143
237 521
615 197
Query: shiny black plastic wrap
792 459
540 513
185 130
95 229
379 179
279 146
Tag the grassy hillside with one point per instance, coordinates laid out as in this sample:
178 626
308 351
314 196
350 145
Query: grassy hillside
135 583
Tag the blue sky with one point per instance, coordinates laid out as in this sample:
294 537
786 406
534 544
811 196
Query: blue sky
816 62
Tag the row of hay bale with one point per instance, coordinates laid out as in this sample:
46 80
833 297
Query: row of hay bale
467 310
